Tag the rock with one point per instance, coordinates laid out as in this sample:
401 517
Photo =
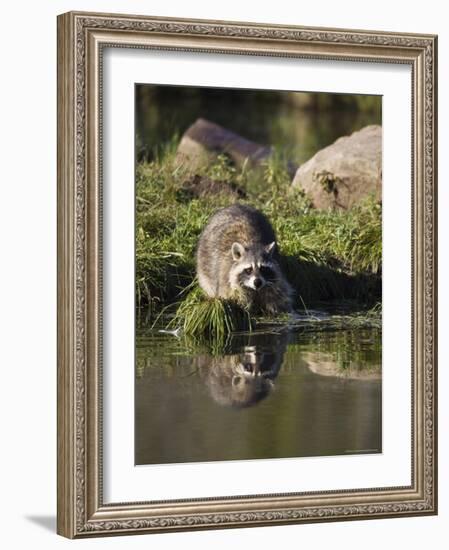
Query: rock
344 173
323 364
204 140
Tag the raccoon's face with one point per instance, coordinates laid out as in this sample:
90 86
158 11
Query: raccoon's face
251 368
245 378
253 268
239 380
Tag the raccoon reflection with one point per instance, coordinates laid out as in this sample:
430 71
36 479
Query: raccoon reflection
237 257
243 379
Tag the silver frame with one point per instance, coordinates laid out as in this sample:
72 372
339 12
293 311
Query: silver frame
81 39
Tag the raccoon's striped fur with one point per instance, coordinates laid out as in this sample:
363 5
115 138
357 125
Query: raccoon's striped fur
237 258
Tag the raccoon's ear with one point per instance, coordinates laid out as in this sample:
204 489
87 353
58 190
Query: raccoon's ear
269 249
237 251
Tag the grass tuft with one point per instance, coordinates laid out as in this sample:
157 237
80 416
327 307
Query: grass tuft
200 317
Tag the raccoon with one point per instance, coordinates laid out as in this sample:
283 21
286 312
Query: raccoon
242 380
247 375
237 258
237 381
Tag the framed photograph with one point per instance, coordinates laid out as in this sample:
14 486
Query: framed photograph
246 274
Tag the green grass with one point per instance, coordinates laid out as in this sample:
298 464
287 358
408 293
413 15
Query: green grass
326 255
211 319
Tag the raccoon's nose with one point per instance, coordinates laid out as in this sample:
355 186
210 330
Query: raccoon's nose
257 283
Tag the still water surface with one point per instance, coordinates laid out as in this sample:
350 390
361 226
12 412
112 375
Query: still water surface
266 117
274 393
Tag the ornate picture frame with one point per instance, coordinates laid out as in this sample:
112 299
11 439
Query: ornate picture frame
82 38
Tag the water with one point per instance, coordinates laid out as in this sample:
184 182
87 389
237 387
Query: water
272 394
300 124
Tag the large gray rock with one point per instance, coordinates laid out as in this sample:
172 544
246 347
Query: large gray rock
204 140
324 364
344 173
